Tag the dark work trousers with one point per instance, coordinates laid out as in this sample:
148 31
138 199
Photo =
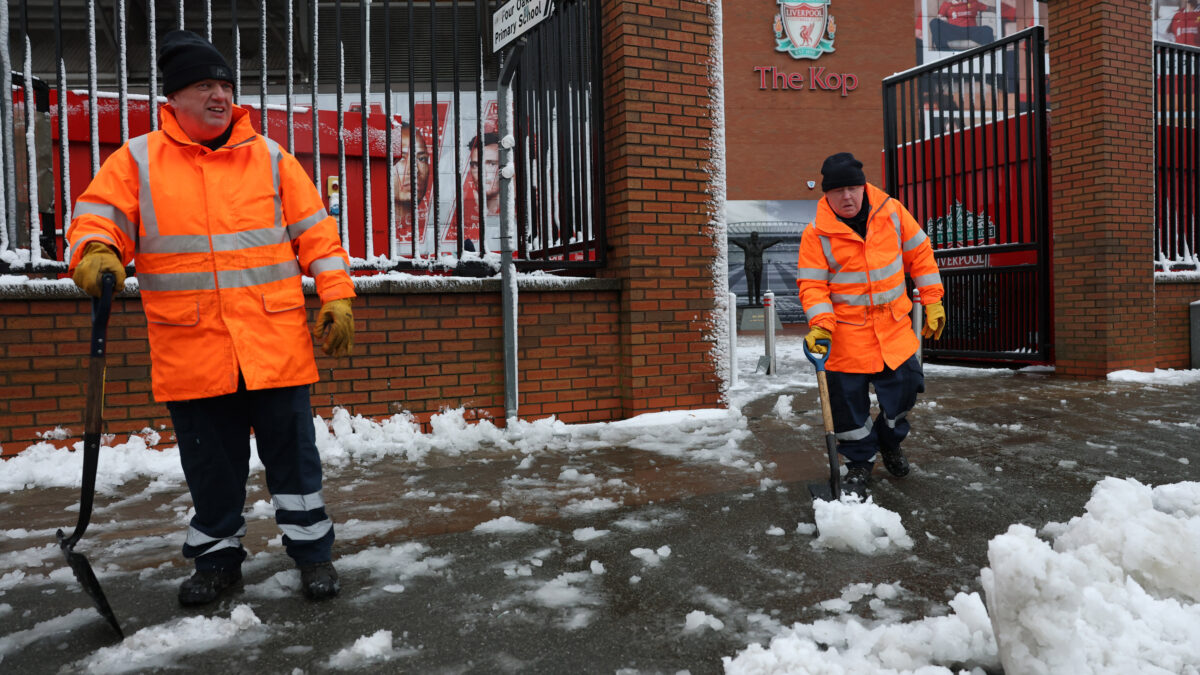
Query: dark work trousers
858 436
214 448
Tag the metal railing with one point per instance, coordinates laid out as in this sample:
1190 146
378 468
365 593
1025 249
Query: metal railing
347 87
966 152
560 194
1177 157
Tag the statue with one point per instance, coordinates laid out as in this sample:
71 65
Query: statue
754 264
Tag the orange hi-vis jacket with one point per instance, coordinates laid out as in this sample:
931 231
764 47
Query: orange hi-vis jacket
855 289
221 239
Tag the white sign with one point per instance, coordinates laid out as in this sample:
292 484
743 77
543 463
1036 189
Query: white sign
516 17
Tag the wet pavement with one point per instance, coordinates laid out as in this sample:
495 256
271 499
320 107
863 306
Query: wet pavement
988 450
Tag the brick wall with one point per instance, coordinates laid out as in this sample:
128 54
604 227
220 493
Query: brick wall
659 159
1102 159
43 369
1171 312
415 351
777 138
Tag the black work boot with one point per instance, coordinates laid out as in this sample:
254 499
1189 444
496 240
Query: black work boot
205 586
856 480
319 581
894 461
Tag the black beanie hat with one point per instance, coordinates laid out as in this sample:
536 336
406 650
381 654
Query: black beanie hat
186 58
841 170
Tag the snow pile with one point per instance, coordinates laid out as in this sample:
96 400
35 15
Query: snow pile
845 645
783 407
651 557
43 465
588 533
856 592
504 525
394 562
569 596
1169 376
698 619
345 440
164 646
1117 592
583 507
366 650
860 526
565 591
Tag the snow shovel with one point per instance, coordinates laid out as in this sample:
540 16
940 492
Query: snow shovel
833 490
92 421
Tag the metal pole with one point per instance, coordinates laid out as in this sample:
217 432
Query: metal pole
9 240
769 320
733 340
918 321
508 273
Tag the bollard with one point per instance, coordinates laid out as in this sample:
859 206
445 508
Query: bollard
733 340
769 328
918 321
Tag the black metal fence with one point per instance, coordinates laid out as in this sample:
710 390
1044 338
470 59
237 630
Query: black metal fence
349 88
1177 157
560 195
966 152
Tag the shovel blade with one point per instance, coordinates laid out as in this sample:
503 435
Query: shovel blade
821 491
87 578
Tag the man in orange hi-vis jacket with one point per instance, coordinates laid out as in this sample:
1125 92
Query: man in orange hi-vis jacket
853 260
222 223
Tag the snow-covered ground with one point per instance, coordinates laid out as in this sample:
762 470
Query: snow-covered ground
1112 590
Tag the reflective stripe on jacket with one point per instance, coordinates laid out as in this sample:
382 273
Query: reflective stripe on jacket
221 239
855 289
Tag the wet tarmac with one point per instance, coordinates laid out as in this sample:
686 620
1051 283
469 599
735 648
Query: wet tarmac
987 451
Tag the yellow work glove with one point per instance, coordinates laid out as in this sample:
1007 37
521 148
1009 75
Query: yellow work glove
935 320
335 324
815 334
98 259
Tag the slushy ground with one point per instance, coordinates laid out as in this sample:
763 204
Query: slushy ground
667 543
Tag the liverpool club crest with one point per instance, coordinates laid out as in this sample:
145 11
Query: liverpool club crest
804 28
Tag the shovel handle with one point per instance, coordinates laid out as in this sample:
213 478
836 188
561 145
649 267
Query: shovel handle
101 309
93 417
818 361
835 479
826 410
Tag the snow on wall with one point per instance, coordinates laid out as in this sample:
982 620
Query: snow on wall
718 327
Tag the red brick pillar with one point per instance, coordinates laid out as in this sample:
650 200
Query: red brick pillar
658 175
1102 159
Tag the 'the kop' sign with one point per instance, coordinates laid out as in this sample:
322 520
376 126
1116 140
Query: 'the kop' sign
516 17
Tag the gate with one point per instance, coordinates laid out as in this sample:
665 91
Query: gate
965 150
